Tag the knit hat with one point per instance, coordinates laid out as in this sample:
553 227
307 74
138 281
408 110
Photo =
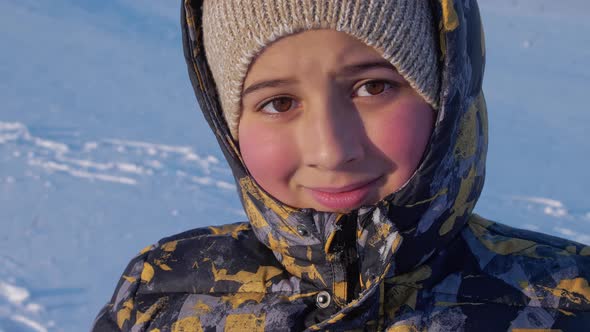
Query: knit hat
236 31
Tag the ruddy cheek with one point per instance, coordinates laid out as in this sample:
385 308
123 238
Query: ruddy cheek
402 136
270 159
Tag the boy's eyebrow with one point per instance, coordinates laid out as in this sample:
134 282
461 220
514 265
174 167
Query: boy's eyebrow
348 70
353 69
267 84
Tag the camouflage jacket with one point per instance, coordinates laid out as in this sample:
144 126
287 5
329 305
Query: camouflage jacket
419 260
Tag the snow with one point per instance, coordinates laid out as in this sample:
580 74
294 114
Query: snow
13 294
35 326
550 207
103 149
14 306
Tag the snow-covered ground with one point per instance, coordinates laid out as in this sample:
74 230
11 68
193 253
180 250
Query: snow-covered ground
103 150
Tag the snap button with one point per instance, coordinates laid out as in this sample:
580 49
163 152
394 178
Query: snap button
301 230
323 299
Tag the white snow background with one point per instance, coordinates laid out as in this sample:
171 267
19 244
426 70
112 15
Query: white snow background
103 149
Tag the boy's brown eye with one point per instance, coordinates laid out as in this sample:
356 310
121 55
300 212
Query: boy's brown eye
282 104
278 105
375 88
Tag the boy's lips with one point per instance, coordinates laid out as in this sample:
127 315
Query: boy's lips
345 197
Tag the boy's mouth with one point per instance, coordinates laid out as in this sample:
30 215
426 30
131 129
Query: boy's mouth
345 197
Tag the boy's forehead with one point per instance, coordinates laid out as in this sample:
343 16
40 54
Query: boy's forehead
327 50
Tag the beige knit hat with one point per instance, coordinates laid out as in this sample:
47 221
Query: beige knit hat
236 31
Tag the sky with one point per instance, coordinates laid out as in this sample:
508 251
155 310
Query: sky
103 149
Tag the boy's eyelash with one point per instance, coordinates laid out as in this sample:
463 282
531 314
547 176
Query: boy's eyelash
393 84
264 103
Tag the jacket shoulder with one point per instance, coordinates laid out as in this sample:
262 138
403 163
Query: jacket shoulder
550 272
505 240
191 261
185 263
234 230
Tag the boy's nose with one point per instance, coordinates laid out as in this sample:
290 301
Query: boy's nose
332 136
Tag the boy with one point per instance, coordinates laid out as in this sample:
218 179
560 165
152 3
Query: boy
357 133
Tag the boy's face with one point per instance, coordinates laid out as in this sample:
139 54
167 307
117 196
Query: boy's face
327 123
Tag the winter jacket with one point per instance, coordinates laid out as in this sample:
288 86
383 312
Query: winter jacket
419 260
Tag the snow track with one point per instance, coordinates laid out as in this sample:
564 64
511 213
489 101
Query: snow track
112 160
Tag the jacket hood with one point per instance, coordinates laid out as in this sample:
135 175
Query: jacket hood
410 225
